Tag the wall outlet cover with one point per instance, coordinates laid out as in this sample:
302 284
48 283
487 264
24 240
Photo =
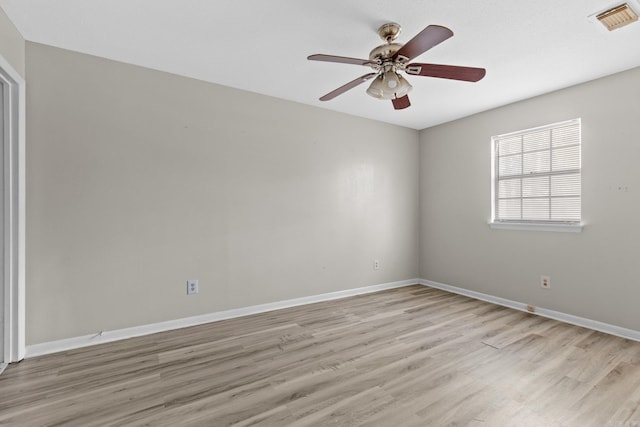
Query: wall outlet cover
192 287
545 282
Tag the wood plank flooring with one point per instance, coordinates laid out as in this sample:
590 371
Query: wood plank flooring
412 356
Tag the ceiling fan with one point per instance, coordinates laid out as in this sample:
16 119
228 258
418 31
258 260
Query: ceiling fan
389 59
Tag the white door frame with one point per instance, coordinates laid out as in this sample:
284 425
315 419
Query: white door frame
14 212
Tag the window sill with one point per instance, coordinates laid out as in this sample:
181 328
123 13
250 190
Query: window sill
562 228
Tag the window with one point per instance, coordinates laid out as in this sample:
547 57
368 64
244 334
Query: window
536 176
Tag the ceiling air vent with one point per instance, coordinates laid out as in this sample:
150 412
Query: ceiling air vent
617 17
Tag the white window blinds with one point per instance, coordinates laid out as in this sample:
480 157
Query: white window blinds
537 175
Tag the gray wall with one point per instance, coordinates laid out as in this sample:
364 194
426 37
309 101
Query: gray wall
12 45
138 180
594 274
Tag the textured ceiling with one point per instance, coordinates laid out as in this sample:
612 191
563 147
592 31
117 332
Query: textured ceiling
528 47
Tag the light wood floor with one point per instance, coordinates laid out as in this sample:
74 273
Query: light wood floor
413 356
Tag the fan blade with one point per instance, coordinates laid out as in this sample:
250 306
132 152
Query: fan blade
452 72
422 42
342 89
340 59
401 103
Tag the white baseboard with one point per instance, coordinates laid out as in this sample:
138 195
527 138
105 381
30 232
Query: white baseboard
551 314
136 331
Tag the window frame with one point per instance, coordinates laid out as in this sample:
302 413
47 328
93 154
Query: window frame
532 225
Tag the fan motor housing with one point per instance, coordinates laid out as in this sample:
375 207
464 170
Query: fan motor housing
384 51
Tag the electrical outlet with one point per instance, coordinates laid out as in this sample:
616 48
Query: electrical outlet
376 264
192 286
545 282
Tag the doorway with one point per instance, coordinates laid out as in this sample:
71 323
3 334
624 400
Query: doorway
3 359
12 209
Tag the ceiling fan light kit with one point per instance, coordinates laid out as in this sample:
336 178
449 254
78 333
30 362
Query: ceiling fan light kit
389 85
391 59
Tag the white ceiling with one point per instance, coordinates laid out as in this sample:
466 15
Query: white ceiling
528 47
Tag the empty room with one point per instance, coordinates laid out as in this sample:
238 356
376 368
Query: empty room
281 213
